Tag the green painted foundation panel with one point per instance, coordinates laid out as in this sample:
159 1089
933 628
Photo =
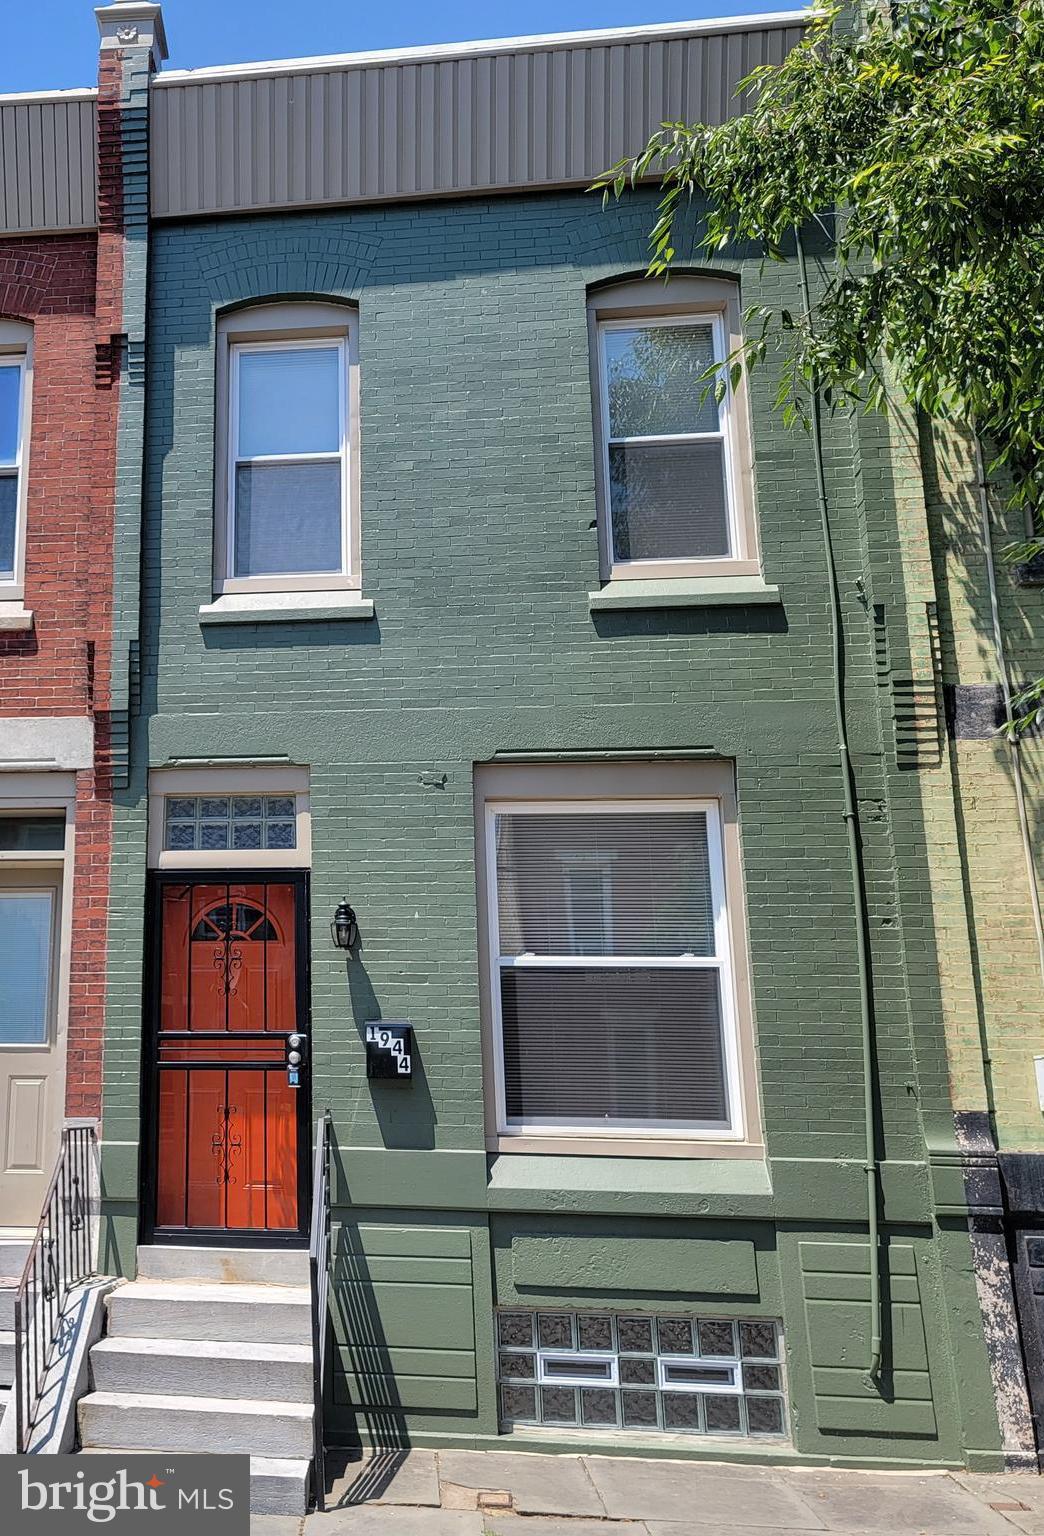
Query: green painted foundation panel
662 1265
836 1282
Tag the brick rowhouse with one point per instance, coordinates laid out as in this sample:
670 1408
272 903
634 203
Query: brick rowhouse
62 665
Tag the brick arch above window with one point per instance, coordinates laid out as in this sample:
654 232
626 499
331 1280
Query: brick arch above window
340 270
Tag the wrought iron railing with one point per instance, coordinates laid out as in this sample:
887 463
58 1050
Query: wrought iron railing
62 1254
319 1273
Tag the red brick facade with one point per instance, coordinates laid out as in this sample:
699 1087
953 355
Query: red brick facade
62 667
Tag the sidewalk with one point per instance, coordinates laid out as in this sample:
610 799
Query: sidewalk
495 1493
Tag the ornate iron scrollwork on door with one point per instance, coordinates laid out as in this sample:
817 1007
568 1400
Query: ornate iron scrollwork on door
227 925
226 1143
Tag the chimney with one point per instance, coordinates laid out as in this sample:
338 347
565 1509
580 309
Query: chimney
133 24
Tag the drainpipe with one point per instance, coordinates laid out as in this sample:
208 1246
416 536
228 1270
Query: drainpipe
851 818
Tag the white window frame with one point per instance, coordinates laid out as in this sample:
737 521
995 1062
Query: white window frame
237 351
733 1388
576 1358
733 1129
630 304
263 326
725 434
32 794
16 351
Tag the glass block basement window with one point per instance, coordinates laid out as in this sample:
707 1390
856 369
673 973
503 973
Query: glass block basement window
213 822
668 1375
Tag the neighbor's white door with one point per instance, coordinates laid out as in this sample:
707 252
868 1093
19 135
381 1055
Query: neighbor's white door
32 1057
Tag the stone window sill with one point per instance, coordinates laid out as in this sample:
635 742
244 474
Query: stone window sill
286 608
14 617
534 1182
684 592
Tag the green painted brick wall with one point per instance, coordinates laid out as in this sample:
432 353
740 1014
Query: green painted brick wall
479 549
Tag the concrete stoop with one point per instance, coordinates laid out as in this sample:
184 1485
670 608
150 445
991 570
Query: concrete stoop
14 1250
210 1350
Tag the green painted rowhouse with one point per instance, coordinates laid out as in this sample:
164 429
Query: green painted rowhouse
426 217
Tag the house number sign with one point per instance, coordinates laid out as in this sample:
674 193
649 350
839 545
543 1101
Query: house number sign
389 1050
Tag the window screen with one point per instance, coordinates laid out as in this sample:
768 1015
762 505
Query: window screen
610 981
666 441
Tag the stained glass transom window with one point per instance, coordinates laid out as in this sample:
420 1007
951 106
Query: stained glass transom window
602 1370
210 823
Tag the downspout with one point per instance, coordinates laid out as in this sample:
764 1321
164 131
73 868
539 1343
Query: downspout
1014 745
851 818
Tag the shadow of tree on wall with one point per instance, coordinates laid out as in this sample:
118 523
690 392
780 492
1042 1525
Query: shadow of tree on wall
969 654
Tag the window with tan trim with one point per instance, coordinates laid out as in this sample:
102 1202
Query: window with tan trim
15 394
247 817
287 502
672 460
617 1011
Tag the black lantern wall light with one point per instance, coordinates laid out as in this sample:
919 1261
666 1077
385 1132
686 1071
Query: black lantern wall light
344 930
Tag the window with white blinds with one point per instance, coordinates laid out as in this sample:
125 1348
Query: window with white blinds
613 996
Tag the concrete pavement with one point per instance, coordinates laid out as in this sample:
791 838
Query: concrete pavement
500 1493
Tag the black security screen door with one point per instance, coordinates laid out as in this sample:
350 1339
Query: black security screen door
229 1116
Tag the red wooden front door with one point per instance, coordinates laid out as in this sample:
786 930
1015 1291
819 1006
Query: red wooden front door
229 1125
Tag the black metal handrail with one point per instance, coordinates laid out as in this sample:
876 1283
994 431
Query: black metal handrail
319 1275
62 1254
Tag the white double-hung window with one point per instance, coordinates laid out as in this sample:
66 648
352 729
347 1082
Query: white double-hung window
287 503
613 998
289 481
667 440
14 445
673 451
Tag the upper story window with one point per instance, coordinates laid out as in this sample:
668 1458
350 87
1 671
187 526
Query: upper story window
673 460
15 364
287 473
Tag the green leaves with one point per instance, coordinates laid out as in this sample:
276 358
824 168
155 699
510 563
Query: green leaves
917 146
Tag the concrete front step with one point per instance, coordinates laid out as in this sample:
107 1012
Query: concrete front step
7 1301
13 1253
142 1421
266 1314
7 1354
196 1368
278 1485
226 1266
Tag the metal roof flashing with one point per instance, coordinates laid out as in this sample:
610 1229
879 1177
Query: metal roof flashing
486 47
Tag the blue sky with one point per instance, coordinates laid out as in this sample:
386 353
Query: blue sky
52 44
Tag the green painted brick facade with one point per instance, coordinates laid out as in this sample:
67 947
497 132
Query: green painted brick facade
479 550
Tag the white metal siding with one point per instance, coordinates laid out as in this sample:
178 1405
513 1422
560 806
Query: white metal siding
47 177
